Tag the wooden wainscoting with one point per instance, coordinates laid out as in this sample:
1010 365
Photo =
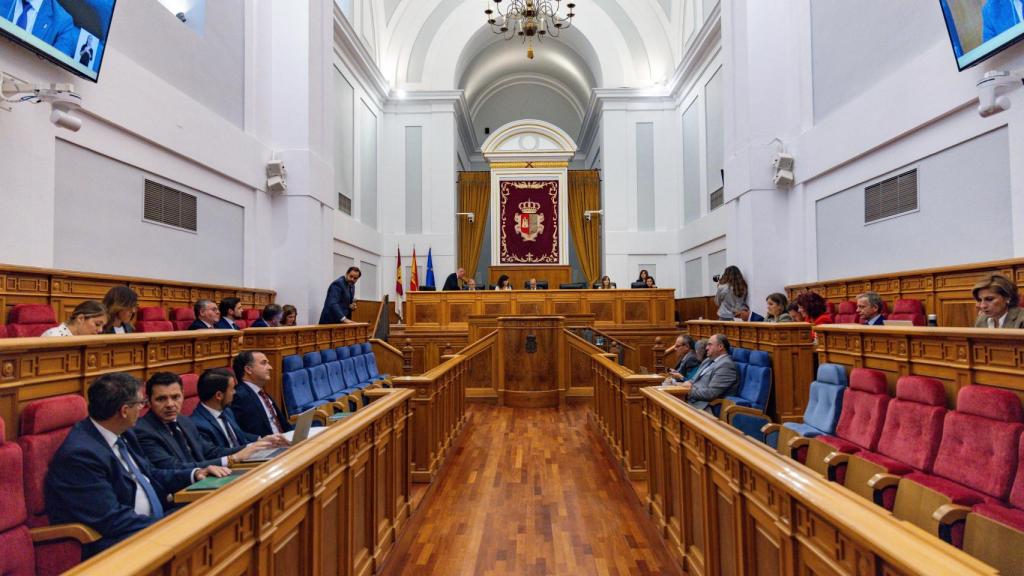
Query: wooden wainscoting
726 504
65 289
792 352
335 504
956 356
35 368
945 291
697 308
618 412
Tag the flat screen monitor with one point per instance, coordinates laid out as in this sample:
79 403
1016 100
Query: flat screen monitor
979 29
70 33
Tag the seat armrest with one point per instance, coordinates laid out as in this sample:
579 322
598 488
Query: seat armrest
376 393
80 532
881 481
948 514
770 428
340 405
797 442
734 409
836 459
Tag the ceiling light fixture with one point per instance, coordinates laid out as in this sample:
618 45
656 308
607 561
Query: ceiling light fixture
528 19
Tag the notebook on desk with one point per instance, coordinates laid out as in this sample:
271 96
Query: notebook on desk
303 429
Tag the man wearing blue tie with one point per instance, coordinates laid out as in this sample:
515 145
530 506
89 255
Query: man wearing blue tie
213 416
999 16
44 19
99 475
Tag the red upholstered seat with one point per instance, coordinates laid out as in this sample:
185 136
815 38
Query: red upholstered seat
191 393
911 310
251 315
3 331
242 324
30 320
182 318
1011 512
830 309
860 422
847 313
17 556
153 319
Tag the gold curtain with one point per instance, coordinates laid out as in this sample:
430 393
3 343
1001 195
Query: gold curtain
475 197
585 194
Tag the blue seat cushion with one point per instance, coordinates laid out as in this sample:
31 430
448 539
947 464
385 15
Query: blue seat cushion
310 359
803 429
291 363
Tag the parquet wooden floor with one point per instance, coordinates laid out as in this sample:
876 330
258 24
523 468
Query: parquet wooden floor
530 491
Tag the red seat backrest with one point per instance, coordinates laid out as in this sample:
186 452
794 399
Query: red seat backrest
3 331
153 319
190 383
242 324
906 309
44 425
864 406
847 313
1017 490
251 315
830 308
30 320
913 422
980 440
182 318
18 555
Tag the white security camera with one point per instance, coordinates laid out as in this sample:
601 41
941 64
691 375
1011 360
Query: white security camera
991 89
62 98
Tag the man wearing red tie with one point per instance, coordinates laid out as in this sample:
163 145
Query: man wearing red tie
255 410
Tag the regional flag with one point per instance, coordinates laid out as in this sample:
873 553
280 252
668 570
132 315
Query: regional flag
414 280
398 275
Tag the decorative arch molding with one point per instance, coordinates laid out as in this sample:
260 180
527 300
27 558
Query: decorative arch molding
527 80
529 141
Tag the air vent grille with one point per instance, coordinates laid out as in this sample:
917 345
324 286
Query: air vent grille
345 204
718 198
166 205
891 197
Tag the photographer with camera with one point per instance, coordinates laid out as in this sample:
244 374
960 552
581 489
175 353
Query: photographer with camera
731 294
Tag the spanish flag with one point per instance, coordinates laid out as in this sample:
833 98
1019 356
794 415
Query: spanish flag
414 279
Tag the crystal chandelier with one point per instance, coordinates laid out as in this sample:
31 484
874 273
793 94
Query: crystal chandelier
528 19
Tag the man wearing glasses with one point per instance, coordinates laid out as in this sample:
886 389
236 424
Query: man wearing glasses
101 478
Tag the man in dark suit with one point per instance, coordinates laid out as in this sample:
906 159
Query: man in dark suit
717 376
746 315
270 317
255 410
172 441
340 301
230 310
46 20
685 345
869 308
207 315
213 416
999 16
99 475
452 282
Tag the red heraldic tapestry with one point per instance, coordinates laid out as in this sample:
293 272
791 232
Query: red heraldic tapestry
529 222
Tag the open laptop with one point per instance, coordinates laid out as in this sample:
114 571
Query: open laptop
302 431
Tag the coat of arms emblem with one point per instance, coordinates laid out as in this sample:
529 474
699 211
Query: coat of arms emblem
531 224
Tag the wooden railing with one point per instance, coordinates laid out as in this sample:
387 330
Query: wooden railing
618 412
696 308
956 356
482 381
65 289
945 291
34 368
335 504
792 353
438 410
389 358
728 505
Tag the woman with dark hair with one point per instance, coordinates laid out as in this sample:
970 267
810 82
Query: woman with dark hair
731 294
121 303
777 304
650 282
813 308
643 276
87 319
289 315
998 303
503 283
794 312
606 283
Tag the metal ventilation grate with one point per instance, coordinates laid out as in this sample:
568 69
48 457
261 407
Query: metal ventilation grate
896 195
166 205
718 198
344 204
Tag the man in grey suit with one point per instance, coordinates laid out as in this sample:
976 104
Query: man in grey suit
717 376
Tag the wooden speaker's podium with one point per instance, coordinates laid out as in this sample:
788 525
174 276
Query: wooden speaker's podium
520 274
532 361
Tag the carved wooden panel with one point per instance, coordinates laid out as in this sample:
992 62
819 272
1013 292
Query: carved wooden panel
459 312
636 312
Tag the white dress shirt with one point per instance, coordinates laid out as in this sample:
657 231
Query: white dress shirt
220 422
32 12
997 323
142 505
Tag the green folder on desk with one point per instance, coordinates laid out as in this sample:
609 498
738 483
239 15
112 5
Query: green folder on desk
213 483
339 415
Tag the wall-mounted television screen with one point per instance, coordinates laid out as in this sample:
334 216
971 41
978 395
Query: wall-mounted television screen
980 28
71 33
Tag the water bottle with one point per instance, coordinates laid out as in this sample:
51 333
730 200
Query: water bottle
933 320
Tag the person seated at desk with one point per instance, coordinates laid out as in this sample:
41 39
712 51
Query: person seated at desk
688 360
270 317
289 315
649 281
100 476
121 303
776 304
87 319
452 282
642 278
717 376
532 284
172 441
794 312
230 311
998 303
207 315
503 283
470 284
812 307
869 308
606 283
255 410
744 314
213 416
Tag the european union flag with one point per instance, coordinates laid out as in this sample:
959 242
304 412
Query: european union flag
430 269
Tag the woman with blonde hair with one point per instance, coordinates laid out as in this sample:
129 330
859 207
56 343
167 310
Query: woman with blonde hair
121 303
998 303
87 319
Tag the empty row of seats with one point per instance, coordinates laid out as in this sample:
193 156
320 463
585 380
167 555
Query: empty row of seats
903 309
957 473
26 320
332 379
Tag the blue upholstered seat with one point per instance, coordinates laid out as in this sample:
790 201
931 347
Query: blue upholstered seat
756 384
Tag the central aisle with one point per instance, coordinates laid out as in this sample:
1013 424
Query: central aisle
530 491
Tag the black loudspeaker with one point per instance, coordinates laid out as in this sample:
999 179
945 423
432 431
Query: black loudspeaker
428 288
